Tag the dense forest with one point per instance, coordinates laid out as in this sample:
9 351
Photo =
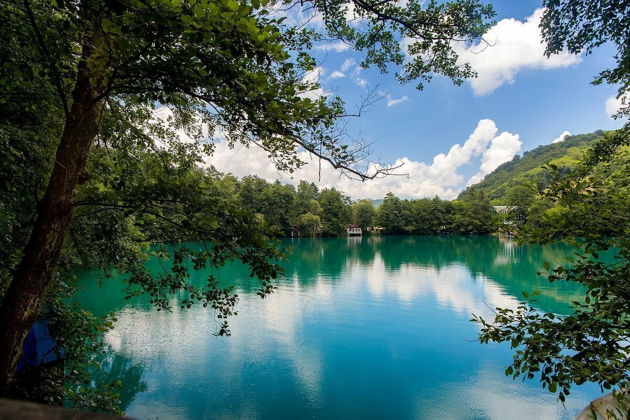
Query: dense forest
519 183
524 183
503 185
89 176
306 210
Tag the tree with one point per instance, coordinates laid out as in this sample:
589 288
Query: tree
102 67
277 202
589 203
423 217
309 223
521 197
335 211
590 345
313 207
305 201
250 190
306 191
363 213
389 214
473 214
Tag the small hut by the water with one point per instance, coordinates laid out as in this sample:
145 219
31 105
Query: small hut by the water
354 230
375 229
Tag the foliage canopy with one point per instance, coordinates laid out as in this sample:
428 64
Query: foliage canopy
91 176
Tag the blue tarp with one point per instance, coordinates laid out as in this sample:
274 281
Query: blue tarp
40 347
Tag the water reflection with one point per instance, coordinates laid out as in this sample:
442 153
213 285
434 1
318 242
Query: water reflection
512 268
498 263
118 367
375 327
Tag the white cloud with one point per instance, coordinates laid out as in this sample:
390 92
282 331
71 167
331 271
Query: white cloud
440 177
395 101
356 78
417 179
337 75
562 137
391 101
360 81
352 15
299 15
514 46
313 77
444 165
347 64
338 46
502 149
354 75
614 104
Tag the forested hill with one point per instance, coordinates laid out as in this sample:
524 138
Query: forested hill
503 181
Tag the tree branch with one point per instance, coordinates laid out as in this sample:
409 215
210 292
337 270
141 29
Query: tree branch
47 57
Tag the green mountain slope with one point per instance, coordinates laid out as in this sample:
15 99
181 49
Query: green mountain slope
528 168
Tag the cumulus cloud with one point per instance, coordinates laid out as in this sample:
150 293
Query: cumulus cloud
562 137
337 75
395 101
417 179
502 149
614 104
420 179
338 46
514 46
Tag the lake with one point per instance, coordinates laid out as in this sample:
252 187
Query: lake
360 328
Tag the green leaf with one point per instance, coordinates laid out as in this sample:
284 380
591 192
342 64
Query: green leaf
232 5
200 12
187 20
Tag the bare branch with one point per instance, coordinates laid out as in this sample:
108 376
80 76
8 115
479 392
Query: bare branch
372 97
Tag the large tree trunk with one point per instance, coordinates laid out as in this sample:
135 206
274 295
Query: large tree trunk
35 271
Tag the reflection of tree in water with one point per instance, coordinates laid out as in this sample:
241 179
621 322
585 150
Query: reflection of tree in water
513 267
310 258
116 367
423 251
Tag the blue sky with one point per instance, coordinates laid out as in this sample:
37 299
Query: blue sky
520 100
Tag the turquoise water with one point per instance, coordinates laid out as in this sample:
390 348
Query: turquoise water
369 328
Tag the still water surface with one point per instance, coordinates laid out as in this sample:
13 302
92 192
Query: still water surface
359 328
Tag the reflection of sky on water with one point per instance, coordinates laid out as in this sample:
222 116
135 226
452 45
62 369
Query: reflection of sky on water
366 341
450 286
